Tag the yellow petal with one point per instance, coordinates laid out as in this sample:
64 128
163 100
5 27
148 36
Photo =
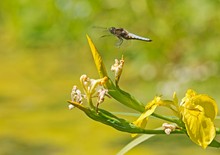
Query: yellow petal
198 112
97 59
206 102
200 128
209 105
149 109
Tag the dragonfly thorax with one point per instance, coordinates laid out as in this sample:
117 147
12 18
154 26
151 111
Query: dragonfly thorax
119 32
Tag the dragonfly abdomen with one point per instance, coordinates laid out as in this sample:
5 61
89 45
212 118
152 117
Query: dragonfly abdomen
136 37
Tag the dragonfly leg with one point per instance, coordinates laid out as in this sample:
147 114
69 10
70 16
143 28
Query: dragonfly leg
119 42
106 35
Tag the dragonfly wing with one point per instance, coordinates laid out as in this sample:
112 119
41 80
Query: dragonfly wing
99 27
134 36
106 35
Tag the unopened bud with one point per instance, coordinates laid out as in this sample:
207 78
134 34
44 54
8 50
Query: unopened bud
168 128
71 106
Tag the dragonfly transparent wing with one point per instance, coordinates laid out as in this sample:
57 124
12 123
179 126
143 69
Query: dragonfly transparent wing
104 33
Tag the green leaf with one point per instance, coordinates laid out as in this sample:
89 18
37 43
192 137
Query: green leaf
108 118
215 143
134 143
120 124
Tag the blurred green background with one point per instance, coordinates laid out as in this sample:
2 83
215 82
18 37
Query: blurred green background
44 51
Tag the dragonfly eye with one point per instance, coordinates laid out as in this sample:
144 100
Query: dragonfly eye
112 30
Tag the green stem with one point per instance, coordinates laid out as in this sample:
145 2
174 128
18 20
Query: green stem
217 130
160 132
174 120
89 100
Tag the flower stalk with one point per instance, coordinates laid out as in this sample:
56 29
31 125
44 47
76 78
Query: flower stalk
193 116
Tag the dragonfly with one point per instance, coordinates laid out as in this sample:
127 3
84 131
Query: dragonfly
122 34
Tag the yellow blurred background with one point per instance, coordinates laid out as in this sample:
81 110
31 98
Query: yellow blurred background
44 51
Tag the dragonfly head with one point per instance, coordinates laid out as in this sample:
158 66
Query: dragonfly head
112 30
